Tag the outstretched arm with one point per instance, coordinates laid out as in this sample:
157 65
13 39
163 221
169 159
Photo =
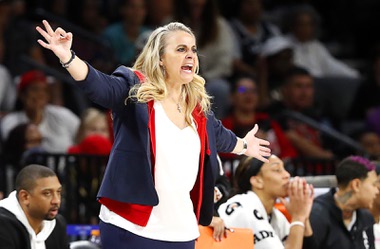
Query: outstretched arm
255 147
59 41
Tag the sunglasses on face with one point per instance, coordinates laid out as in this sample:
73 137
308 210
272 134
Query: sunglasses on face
243 89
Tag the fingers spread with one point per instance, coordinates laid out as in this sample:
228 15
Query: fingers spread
43 44
263 159
48 27
263 142
255 129
264 149
43 33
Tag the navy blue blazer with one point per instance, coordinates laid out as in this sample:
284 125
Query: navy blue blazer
128 177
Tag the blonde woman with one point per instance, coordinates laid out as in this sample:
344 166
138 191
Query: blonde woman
93 121
159 181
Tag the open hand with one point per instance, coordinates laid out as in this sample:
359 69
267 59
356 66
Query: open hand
59 41
257 147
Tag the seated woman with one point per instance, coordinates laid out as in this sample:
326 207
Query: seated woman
245 113
258 187
93 135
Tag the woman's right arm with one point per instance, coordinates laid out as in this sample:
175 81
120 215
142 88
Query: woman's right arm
59 42
103 89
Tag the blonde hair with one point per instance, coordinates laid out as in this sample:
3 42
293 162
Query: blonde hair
88 117
154 87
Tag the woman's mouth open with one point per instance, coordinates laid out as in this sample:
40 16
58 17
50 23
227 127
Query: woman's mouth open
187 68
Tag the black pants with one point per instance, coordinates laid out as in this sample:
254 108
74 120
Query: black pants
115 237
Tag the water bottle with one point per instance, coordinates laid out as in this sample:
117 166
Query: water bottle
95 237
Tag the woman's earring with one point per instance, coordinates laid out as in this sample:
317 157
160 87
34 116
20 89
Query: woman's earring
163 71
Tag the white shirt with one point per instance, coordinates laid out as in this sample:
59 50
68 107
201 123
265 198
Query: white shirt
376 232
58 127
313 56
216 58
176 170
7 90
37 241
247 211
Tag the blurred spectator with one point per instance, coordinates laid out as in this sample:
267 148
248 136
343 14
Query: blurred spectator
251 32
92 145
215 47
93 135
159 12
92 121
308 51
93 48
92 138
89 170
57 124
277 57
373 119
368 95
23 140
245 114
122 35
258 187
19 7
5 16
339 218
17 39
298 95
59 7
7 91
370 141
91 17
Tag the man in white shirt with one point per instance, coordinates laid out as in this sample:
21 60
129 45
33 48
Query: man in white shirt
57 124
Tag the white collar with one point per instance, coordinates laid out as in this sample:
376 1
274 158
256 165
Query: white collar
37 241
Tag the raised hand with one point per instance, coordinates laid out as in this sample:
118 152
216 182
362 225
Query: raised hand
59 41
257 147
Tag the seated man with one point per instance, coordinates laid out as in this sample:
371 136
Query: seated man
29 216
298 95
339 218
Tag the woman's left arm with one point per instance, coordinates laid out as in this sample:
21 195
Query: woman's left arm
252 146
226 141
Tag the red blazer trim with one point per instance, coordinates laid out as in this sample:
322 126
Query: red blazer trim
135 213
196 193
139 214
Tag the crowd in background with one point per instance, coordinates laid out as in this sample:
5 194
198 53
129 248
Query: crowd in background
308 72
